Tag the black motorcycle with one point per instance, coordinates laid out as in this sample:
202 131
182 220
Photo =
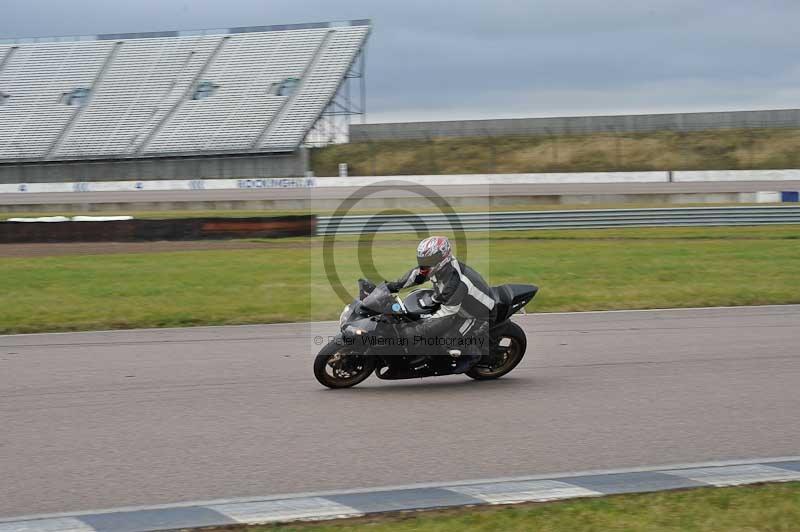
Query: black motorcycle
368 340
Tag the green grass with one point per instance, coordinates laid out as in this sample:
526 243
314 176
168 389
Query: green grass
767 508
665 150
577 270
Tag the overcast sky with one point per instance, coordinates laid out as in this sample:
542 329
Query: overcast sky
430 60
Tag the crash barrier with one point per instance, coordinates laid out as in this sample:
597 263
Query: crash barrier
150 230
425 180
577 219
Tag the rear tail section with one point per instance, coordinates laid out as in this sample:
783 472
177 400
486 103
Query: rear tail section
511 298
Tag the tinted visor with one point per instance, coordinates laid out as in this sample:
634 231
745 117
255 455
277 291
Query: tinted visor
429 262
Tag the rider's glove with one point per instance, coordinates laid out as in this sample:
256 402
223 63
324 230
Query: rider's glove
393 286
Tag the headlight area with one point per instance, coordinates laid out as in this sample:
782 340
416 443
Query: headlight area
353 331
343 315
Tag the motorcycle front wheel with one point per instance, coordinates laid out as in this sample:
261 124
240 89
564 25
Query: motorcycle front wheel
339 366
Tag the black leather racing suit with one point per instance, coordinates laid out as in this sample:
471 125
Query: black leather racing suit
466 303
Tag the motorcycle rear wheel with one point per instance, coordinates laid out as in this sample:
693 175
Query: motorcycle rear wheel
509 343
338 366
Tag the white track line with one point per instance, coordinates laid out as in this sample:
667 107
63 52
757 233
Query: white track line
788 306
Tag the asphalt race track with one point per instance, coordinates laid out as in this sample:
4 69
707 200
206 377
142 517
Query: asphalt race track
445 191
110 419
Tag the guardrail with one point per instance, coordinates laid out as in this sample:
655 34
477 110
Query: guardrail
576 219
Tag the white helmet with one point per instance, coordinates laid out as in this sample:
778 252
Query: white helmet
433 253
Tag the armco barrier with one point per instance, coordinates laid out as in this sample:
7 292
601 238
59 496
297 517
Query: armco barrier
577 219
151 230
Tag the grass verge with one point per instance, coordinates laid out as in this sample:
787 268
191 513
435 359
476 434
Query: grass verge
598 152
769 507
577 270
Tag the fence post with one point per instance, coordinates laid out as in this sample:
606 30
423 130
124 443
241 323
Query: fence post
373 159
491 163
432 154
554 141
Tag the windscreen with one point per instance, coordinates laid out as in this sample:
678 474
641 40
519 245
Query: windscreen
380 300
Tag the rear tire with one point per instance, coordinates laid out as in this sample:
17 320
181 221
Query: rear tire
511 354
338 366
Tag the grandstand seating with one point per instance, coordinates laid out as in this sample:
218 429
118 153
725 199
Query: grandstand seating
248 90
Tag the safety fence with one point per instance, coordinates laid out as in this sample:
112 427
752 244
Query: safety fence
581 125
570 219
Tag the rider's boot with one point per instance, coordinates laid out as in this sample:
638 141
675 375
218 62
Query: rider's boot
473 352
465 361
418 361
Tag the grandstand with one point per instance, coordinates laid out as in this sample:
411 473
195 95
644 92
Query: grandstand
241 91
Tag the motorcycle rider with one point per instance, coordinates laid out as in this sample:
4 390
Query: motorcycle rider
466 302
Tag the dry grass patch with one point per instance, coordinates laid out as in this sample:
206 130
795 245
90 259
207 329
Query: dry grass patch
699 150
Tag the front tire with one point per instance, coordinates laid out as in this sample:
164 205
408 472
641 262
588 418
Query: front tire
508 346
339 366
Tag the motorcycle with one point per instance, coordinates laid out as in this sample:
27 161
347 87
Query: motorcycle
367 341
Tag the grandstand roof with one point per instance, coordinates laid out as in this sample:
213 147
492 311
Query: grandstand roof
237 90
